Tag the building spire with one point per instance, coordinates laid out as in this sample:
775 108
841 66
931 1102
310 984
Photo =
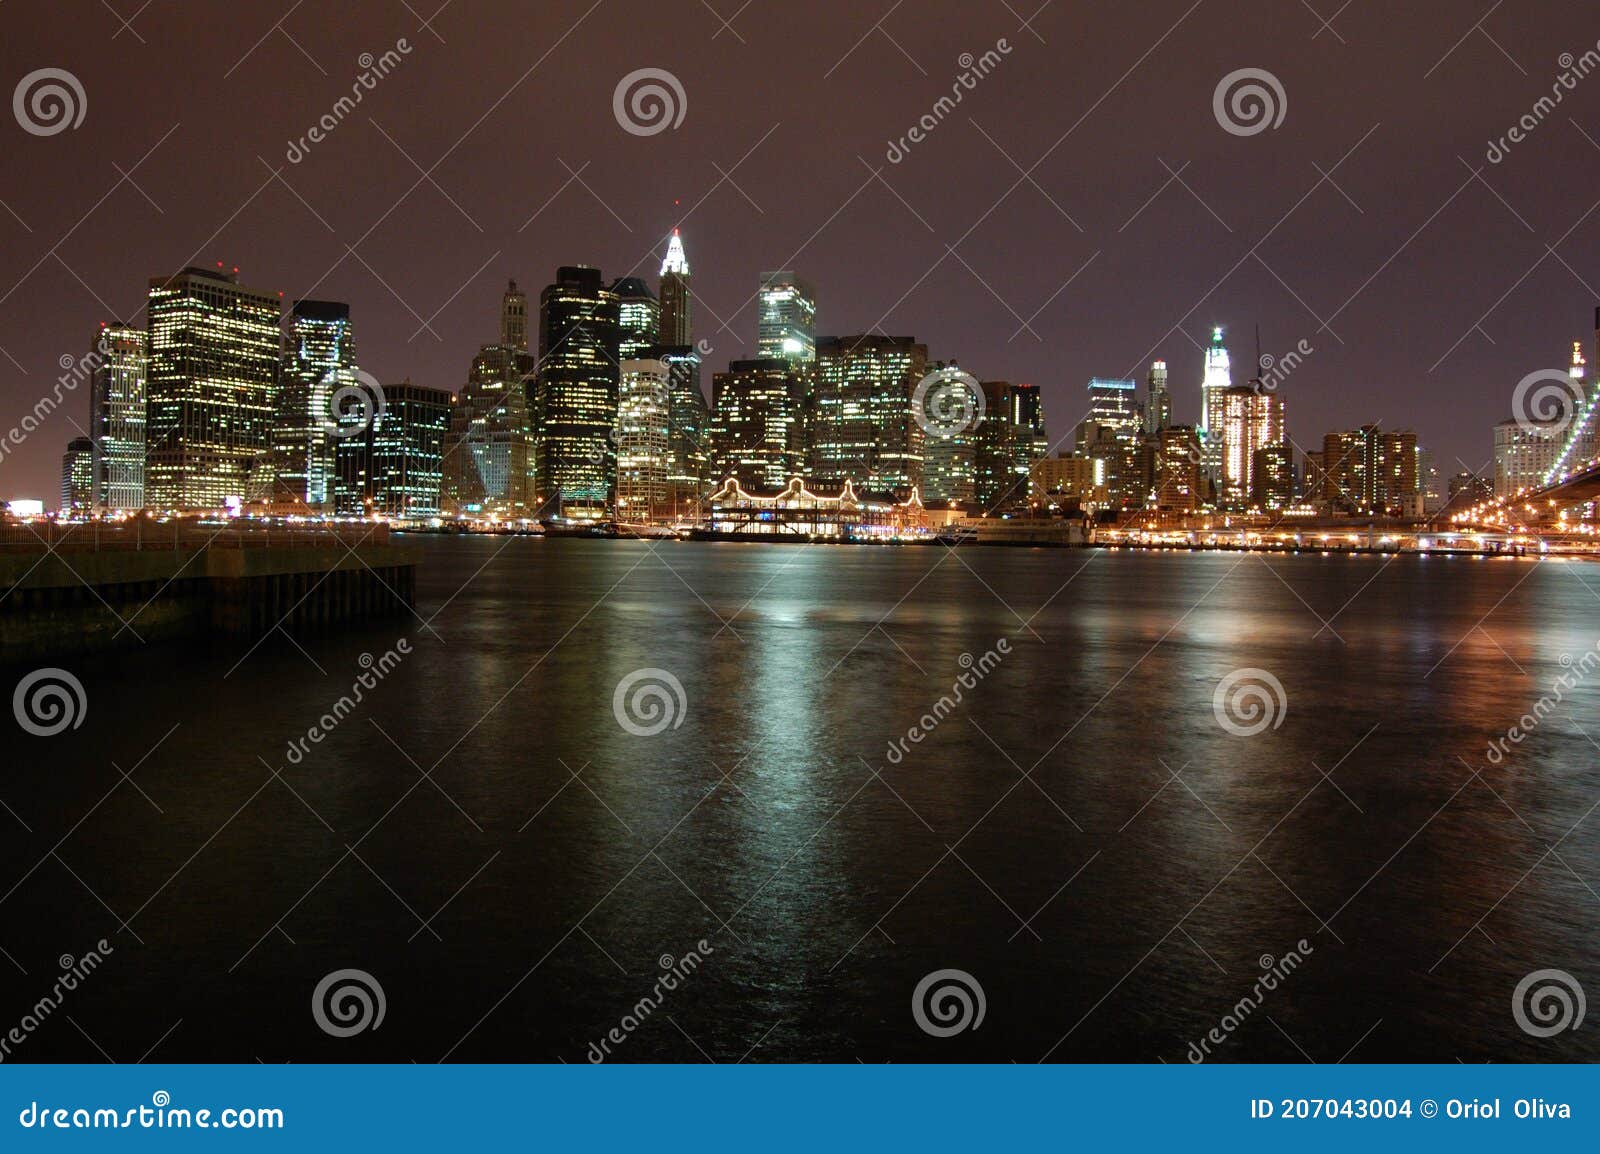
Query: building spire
676 262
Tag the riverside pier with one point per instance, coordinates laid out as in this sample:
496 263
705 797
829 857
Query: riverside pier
69 589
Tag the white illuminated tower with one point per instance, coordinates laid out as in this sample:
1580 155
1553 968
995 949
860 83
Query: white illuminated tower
677 323
1213 389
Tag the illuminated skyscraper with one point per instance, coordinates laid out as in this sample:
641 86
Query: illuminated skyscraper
1368 470
320 361
1218 378
213 375
393 466
117 417
755 424
1005 446
643 406
788 325
689 427
1114 432
1252 419
487 466
1177 468
639 314
677 320
579 339
1158 404
514 318
864 430
77 476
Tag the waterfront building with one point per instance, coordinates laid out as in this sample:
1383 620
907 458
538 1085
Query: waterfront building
756 424
864 428
788 318
689 429
799 510
643 461
212 384
1467 489
1067 480
318 364
576 410
77 476
117 404
393 466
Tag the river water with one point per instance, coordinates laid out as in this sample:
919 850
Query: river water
1098 845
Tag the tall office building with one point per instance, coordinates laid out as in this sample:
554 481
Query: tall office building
677 317
1252 420
1114 432
949 455
1004 448
864 429
117 417
643 463
213 375
755 424
1158 402
487 467
319 361
579 339
514 318
77 476
1218 378
788 324
639 317
393 467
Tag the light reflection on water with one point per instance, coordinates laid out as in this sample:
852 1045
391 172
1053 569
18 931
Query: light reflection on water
826 892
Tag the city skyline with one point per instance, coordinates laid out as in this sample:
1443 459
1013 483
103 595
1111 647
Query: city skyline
1123 302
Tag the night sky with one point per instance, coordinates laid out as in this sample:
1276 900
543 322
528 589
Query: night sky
1438 291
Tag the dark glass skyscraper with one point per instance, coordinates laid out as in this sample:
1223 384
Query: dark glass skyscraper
788 325
214 351
320 360
579 342
393 467
77 476
117 406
